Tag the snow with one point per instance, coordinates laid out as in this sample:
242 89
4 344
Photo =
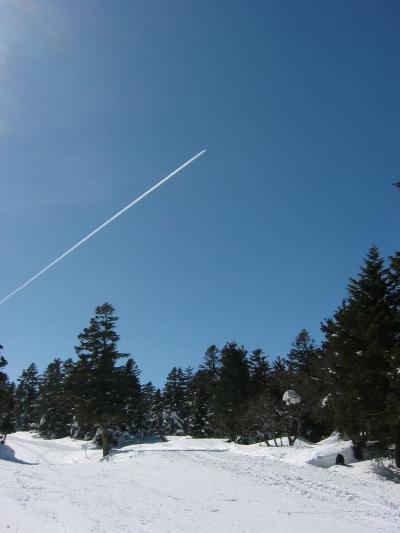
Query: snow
191 485
291 397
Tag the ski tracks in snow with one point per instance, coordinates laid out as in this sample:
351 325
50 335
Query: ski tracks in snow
335 491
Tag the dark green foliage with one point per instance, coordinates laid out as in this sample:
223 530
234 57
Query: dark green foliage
393 356
130 397
148 399
233 389
210 364
201 416
302 355
52 408
99 386
26 399
260 372
177 399
157 424
358 342
6 401
175 390
303 369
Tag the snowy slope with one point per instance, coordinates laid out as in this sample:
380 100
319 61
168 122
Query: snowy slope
187 485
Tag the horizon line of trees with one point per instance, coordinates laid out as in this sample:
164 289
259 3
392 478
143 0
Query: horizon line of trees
350 383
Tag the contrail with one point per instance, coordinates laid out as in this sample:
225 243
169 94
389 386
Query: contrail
149 191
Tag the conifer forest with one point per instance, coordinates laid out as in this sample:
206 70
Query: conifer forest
349 383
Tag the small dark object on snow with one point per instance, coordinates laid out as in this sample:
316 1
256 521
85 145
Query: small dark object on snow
340 459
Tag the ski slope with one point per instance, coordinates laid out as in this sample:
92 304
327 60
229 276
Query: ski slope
189 485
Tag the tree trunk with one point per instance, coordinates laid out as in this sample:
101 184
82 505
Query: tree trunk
105 440
358 446
266 440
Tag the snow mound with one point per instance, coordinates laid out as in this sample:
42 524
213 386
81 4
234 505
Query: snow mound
325 453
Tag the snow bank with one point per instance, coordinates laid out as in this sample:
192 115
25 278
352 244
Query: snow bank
31 449
322 454
28 448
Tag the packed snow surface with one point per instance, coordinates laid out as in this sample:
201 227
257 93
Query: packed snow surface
191 485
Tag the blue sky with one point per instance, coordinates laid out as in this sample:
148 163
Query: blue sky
297 104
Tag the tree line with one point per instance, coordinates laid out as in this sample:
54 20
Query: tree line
349 383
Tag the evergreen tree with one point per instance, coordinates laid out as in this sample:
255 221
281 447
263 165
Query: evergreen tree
148 396
175 393
259 372
393 404
232 389
131 397
275 415
96 377
210 364
303 354
201 415
204 389
177 396
6 401
158 424
26 399
358 341
256 416
303 373
54 416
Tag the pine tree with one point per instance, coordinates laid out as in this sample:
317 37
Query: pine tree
303 373
232 389
158 425
260 371
176 392
26 399
303 354
275 416
177 397
131 398
204 390
148 394
210 364
393 404
201 415
358 340
54 416
256 416
6 402
98 401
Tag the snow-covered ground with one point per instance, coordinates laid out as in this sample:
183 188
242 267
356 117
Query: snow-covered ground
190 485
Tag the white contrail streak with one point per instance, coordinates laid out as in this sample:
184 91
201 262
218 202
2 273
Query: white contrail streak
149 191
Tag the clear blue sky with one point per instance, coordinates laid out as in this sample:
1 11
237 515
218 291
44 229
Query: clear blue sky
297 103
